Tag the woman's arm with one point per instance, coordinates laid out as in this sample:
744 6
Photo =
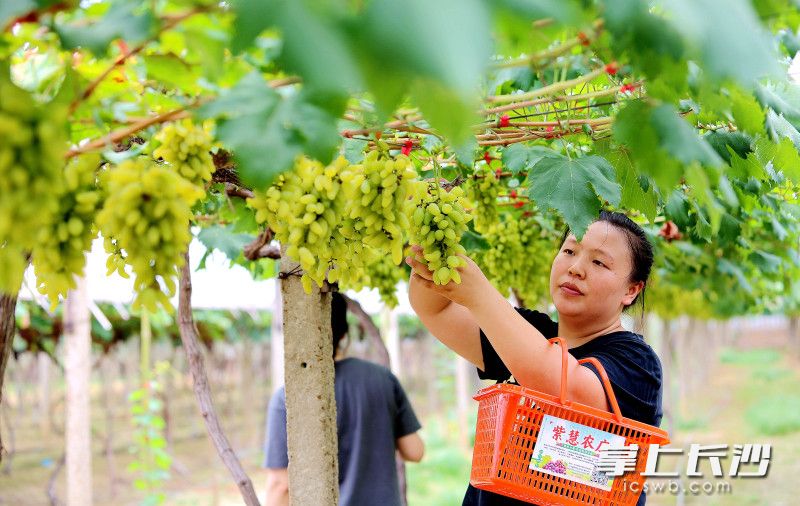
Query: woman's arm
449 322
531 359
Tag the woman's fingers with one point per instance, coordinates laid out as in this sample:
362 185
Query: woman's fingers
419 268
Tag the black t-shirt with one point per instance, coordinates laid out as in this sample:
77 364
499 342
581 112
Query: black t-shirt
372 412
633 369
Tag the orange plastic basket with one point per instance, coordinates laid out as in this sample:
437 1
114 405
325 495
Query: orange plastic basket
509 421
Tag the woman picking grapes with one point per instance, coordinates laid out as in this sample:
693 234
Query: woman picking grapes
591 282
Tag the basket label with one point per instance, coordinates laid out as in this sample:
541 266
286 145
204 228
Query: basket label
572 451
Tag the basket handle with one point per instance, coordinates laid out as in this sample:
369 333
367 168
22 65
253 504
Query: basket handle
603 377
612 399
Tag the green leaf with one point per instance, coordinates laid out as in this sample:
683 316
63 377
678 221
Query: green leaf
782 156
779 128
721 141
728 36
766 262
208 48
473 241
353 150
744 168
633 195
677 209
124 20
726 267
633 129
572 188
746 111
680 140
445 109
224 239
567 12
252 18
261 125
519 157
171 69
305 34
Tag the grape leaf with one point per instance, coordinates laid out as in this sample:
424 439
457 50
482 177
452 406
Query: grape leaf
680 140
739 48
519 157
572 188
125 20
722 141
259 125
224 239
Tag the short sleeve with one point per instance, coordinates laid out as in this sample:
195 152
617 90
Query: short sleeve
493 366
405 421
276 449
634 371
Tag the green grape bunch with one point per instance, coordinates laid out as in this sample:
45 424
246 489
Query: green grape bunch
377 271
438 222
146 215
518 257
186 146
33 140
60 251
304 208
482 190
375 194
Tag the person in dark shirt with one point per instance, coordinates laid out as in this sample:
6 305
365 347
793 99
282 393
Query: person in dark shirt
373 418
591 282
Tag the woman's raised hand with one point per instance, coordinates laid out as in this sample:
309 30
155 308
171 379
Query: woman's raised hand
473 281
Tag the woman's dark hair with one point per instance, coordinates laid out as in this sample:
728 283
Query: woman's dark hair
338 319
640 247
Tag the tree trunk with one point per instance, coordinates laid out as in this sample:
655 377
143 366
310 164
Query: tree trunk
392 336
8 304
43 360
77 369
107 377
276 339
203 391
310 400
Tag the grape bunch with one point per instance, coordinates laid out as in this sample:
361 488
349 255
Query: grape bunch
518 257
304 209
375 193
59 253
378 271
187 147
146 217
33 139
439 221
483 189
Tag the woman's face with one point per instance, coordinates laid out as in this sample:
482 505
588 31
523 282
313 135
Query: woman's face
589 280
